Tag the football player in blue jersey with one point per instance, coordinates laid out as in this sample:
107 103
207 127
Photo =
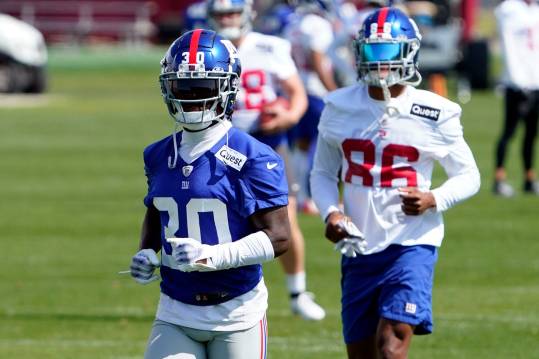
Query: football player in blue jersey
216 209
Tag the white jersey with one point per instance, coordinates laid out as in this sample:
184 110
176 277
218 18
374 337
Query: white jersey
378 153
518 27
265 61
309 33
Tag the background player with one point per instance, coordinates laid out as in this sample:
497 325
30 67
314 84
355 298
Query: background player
217 201
311 35
269 72
518 27
385 135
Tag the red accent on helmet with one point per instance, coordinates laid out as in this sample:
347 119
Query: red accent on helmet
193 46
381 20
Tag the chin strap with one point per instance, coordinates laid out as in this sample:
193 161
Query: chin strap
390 110
172 163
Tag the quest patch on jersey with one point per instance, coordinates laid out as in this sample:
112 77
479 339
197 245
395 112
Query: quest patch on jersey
425 112
231 157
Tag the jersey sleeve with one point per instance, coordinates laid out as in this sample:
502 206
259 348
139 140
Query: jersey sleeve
329 124
317 33
458 162
149 170
324 178
262 184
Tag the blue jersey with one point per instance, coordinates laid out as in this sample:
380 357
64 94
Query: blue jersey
211 200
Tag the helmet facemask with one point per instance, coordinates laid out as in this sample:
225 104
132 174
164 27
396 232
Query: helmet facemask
195 97
383 61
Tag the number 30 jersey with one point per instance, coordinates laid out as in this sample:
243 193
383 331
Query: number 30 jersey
211 200
378 151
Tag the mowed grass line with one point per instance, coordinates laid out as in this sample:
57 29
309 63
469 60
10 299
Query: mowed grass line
72 183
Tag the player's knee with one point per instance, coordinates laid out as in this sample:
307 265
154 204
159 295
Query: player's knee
392 340
391 348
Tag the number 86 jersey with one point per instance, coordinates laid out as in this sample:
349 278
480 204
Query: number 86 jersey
379 148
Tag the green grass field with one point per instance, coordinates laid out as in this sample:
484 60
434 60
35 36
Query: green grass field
71 189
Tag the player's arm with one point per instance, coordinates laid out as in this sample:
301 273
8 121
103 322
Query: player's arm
325 187
274 223
269 240
459 164
463 180
150 236
283 118
145 261
322 67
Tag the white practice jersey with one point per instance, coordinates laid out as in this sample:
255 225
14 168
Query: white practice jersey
309 33
518 27
265 61
377 154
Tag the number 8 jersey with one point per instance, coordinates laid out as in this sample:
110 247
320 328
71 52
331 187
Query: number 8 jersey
265 60
379 149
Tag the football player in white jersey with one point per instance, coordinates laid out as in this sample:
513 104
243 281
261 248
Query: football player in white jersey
310 32
216 210
518 27
268 73
381 138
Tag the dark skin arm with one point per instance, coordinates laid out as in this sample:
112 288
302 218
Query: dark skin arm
274 221
150 236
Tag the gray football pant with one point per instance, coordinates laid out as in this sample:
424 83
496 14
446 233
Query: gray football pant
173 341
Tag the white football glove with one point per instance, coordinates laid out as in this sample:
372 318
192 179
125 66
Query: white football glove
143 265
187 251
354 243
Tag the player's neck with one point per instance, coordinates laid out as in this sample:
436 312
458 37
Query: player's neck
378 94
237 42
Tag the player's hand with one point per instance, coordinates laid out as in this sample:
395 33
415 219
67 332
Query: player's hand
143 265
354 243
192 255
339 226
351 247
275 118
416 202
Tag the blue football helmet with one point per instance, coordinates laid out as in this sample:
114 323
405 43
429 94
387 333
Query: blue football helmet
195 16
387 49
325 8
277 19
200 77
223 7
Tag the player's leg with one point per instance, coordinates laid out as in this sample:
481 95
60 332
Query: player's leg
170 340
530 120
293 261
360 288
363 349
393 339
405 301
306 134
245 344
513 103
